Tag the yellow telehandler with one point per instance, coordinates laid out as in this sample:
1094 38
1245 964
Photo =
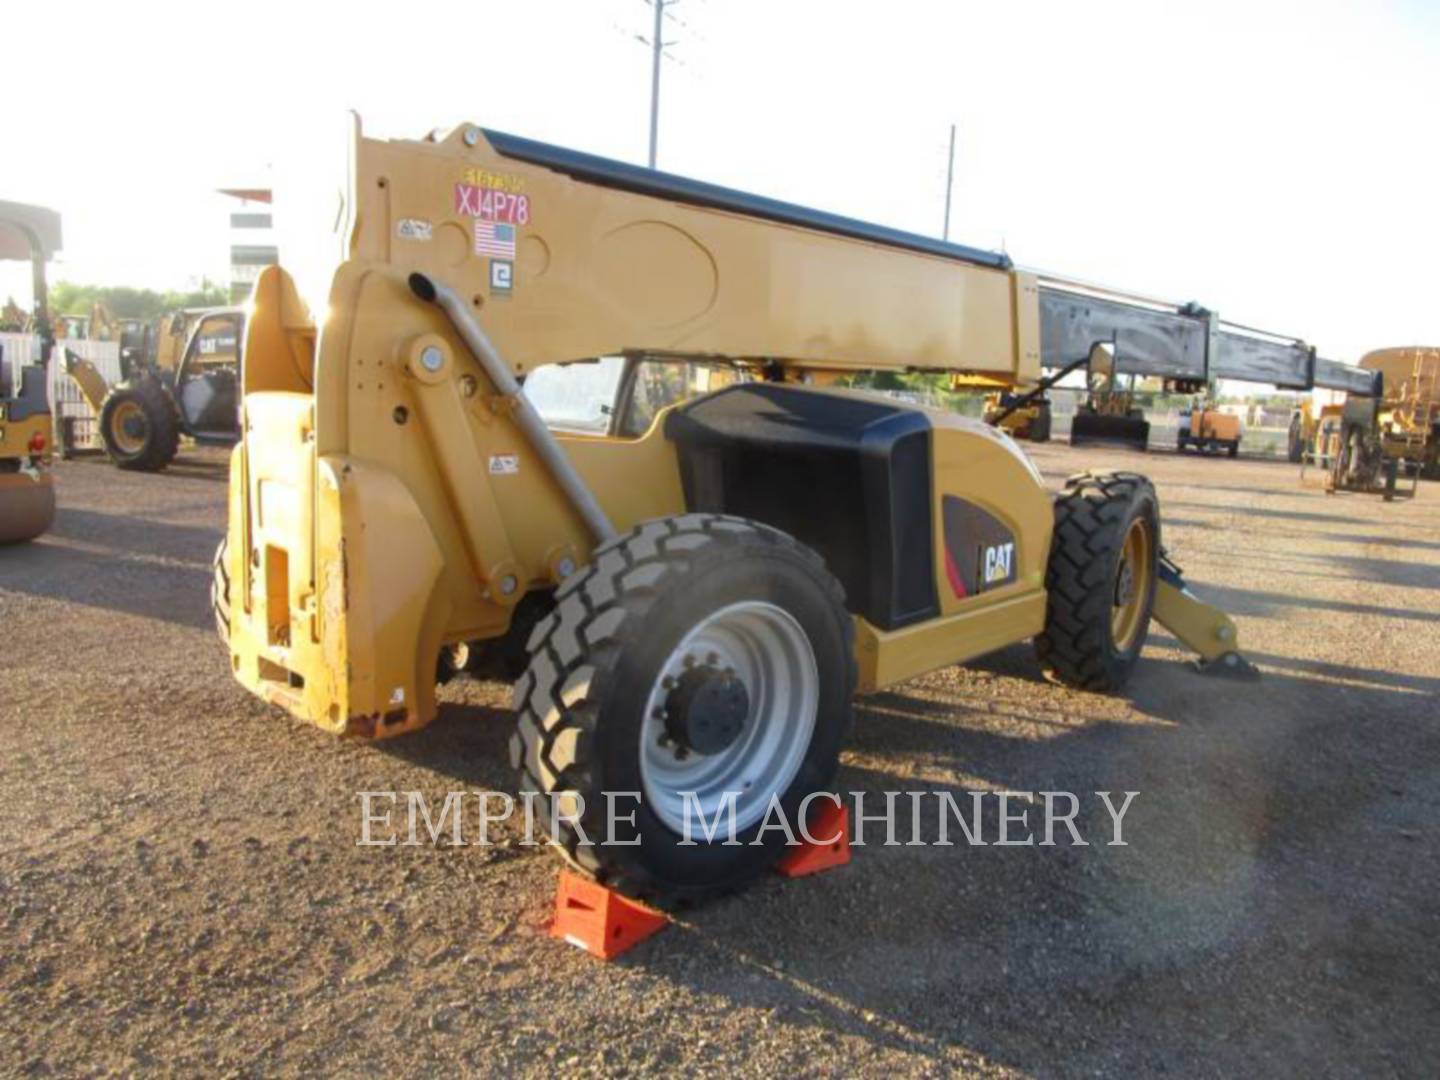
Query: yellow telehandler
572 419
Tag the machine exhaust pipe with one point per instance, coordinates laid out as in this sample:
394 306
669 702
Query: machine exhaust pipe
542 440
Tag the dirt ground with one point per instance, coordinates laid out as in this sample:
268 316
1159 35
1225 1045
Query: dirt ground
181 889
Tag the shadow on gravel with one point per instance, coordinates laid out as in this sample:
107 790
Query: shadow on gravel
1375 677
1388 571
1404 574
1236 601
138 535
182 468
1381 541
470 744
1235 489
1268 914
1269 512
174 587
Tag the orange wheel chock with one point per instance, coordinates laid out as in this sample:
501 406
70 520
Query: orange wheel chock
600 920
829 822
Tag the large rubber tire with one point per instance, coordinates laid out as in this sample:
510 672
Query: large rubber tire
1295 444
595 659
27 506
1232 449
220 590
1093 517
1040 426
1350 472
140 426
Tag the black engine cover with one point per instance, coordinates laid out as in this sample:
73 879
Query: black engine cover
846 475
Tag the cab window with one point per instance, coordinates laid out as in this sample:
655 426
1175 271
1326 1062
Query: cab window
660 383
577 397
613 396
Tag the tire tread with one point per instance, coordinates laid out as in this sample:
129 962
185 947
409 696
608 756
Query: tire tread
575 654
1090 515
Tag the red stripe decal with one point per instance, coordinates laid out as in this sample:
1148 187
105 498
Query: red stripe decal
953 573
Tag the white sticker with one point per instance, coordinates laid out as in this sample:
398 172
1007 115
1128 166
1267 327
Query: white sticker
413 228
504 464
502 275
397 696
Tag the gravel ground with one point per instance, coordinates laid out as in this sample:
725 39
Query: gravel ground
181 889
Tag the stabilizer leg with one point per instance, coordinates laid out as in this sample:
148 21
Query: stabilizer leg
86 376
1204 628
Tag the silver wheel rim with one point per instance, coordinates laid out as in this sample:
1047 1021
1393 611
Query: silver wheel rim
765 648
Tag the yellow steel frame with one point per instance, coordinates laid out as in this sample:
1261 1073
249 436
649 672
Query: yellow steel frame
381 506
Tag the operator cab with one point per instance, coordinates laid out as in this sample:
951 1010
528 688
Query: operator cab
207 381
620 396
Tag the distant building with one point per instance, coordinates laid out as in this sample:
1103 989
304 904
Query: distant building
252 238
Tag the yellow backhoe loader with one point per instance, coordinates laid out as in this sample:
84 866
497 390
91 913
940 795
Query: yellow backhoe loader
27 486
571 418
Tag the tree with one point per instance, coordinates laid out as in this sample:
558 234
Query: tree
125 302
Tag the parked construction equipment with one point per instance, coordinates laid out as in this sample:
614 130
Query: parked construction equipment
27 486
1184 347
1109 413
1019 415
182 378
1205 428
1365 443
694 580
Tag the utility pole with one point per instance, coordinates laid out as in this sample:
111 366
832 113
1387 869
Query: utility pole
657 46
949 172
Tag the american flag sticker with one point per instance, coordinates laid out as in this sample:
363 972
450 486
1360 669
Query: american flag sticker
494 238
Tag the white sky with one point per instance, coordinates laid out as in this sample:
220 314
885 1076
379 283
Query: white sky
1279 162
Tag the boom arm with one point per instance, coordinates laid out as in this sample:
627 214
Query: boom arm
1182 342
647 262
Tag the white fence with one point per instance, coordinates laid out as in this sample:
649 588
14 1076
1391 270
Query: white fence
66 401
18 350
